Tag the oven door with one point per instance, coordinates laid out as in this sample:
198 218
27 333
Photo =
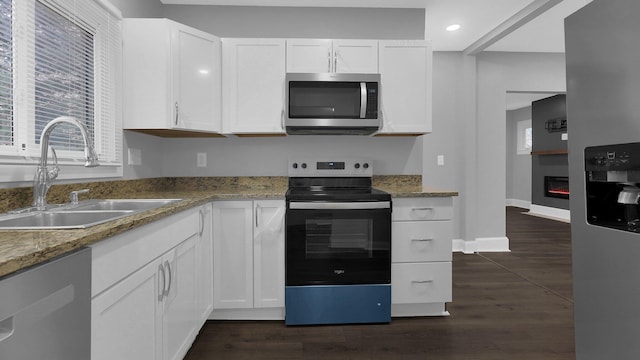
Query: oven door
338 243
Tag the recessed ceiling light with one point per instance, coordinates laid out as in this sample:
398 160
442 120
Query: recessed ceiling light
453 27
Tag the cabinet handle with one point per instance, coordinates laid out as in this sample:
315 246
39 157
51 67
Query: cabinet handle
167 265
329 61
363 100
201 223
421 240
257 215
6 328
176 121
164 282
421 281
422 209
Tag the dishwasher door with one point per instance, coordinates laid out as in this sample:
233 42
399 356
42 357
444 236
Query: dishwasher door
45 310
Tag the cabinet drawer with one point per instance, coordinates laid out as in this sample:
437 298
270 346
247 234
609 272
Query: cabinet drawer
117 257
436 208
417 241
420 282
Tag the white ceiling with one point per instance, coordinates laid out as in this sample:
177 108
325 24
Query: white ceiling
479 18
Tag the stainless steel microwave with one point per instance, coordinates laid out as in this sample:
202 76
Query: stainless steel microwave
332 104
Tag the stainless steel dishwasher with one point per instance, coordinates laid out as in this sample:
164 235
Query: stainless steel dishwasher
45 310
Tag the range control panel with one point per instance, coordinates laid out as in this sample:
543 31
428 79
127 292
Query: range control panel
333 167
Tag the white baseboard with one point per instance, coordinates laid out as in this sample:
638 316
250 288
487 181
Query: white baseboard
488 244
525 204
550 213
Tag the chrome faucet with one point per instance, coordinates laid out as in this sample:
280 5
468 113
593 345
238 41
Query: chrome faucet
44 177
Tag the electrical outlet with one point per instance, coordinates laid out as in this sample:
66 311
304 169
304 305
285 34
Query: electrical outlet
440 160
202 160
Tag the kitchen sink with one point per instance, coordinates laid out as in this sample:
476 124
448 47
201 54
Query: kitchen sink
78 216
60 219
123 204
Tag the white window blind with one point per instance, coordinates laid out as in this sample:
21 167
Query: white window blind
6 74
65 57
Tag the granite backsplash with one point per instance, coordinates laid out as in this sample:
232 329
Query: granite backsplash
15 198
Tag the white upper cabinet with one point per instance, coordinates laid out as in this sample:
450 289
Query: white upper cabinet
405 76
171 78
253 79
332 56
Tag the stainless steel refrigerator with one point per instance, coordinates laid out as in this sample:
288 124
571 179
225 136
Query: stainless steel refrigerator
603 117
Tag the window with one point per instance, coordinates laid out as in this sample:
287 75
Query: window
525 137
63 61
64 76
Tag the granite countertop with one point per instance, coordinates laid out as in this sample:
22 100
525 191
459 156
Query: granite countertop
20 249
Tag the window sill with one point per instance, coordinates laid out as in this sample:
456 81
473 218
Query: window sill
19 173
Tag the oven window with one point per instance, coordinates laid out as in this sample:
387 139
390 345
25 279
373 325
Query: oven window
328 238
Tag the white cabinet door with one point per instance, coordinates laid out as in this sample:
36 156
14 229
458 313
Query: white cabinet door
335 56
253 80
125 319
197 80
309 56
268 254
232 254
405 86
171 77
205 264
180 305
355 56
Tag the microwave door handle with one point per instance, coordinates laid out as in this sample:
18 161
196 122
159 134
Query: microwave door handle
363 100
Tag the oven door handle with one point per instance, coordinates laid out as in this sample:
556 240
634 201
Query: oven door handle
340 205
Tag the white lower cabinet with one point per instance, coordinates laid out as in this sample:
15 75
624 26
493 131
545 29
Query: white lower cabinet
421 256
146 298
180 322
126 319
205 264
248 252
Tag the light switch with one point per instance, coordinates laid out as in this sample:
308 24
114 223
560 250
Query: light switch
440 160
202 160
565 136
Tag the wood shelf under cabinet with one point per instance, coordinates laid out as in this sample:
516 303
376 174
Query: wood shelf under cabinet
171 133
550 152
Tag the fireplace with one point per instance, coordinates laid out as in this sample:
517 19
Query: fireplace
556 187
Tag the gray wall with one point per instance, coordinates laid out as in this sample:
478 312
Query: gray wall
498 73
268 156
303 22
139 8
518 165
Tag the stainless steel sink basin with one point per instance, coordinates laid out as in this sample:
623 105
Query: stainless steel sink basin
85 214
60 219
123 204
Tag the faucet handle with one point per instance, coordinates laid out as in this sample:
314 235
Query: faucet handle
73 196
53 173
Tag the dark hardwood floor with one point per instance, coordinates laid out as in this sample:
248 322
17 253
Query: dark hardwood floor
515 305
